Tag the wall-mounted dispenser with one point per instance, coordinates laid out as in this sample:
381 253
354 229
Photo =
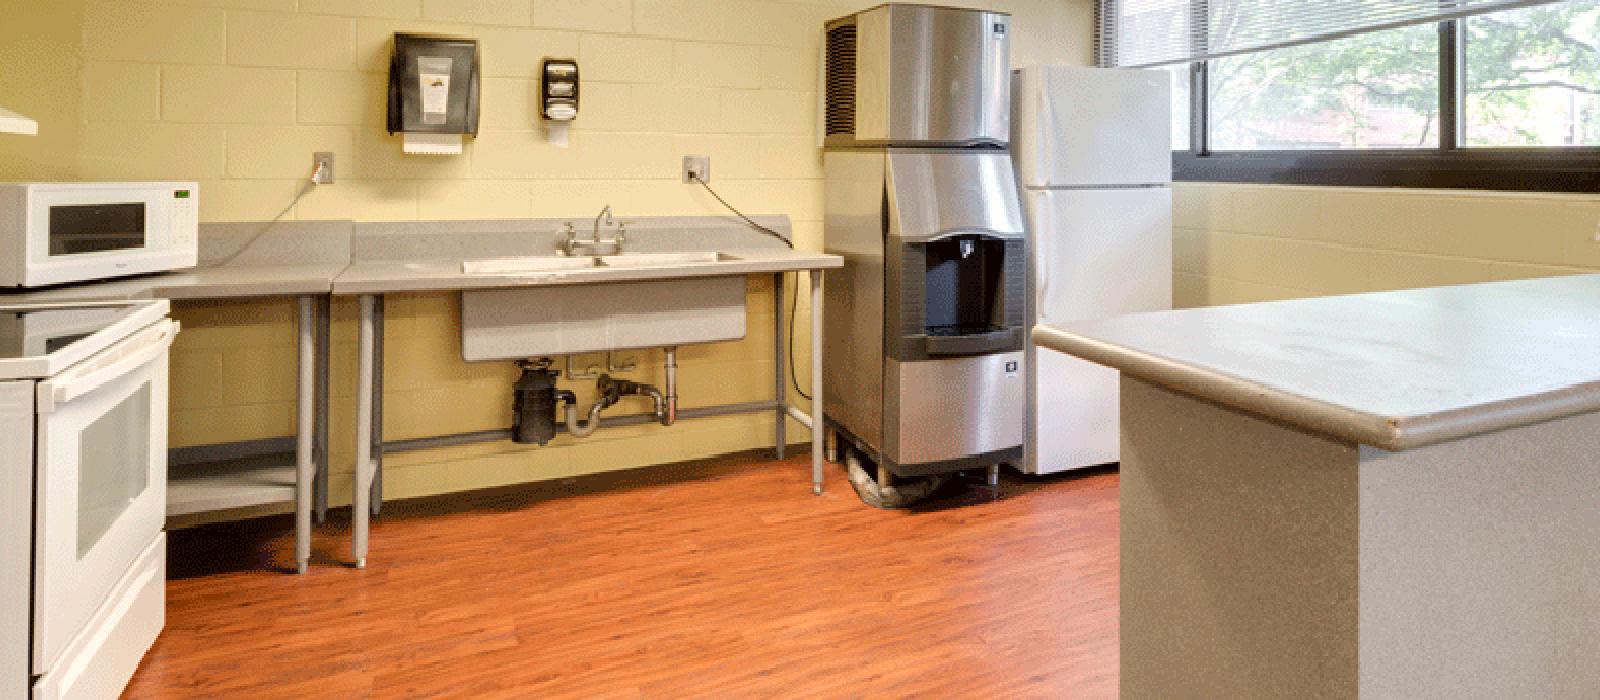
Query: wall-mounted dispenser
558 97
433 92
558 89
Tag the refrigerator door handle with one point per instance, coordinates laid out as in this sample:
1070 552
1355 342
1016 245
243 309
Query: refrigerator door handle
1041 256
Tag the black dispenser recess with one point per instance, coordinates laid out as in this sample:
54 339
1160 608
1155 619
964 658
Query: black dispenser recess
433 85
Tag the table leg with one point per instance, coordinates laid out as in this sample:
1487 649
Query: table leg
324 311
816 381
304 460
377 405
781 438
360 508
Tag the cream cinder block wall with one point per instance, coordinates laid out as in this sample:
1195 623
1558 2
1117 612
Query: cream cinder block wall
1243 243
237 94
40 68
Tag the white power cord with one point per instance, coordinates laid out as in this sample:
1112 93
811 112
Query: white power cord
316 179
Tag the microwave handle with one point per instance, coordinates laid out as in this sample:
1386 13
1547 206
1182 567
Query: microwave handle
135 353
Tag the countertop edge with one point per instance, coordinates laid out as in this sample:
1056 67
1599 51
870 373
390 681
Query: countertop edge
243 290
1389 433
743 268
1307 414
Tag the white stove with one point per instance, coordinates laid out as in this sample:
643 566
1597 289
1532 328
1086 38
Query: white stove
83 470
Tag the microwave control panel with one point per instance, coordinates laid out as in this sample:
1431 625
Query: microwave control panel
185 215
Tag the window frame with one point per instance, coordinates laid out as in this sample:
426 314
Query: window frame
1447 165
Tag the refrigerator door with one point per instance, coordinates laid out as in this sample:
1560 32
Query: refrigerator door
1100 253
1097 253
1078 127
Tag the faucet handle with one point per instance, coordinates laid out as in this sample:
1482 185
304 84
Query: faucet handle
571 241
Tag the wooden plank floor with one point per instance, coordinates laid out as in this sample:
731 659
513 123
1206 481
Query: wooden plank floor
724 580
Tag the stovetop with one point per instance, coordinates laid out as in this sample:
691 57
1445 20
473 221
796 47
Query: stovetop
39 332
37 339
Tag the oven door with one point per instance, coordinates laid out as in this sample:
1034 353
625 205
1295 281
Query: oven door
101 481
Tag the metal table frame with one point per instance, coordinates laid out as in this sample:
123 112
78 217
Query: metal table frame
311 428
370 446
310 441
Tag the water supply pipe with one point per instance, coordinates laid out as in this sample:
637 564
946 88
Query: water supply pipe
672 386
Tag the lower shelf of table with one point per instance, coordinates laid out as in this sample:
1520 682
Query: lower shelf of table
206 488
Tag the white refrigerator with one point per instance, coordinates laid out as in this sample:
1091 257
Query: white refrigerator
1094 163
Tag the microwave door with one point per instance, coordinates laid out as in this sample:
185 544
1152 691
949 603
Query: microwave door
101 481
78 229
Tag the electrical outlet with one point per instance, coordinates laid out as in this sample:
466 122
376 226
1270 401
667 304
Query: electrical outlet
322 166
696 167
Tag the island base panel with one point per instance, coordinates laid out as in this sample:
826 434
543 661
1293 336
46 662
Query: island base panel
1259 560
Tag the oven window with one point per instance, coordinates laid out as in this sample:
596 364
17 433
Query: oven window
94 228
113 466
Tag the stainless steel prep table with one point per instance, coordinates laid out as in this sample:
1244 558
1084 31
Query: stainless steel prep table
1389 495
369 280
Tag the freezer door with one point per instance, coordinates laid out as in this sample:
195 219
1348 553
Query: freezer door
1097 253
1079 127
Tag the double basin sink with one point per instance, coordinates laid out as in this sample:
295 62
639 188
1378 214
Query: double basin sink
554 263
566 319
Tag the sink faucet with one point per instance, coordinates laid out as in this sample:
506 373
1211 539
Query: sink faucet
604 214
571 243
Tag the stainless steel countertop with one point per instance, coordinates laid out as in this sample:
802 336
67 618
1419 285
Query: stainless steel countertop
382 277
1395 370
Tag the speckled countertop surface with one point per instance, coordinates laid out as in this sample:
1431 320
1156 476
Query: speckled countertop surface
230 282
1394 370
258 259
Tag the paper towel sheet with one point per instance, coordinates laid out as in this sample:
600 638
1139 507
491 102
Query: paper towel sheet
432 144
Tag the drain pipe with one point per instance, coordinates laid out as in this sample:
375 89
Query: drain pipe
585 428
672 387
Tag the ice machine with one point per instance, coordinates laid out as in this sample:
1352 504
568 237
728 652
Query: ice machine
924 342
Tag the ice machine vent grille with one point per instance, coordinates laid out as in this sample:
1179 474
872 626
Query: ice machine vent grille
841 88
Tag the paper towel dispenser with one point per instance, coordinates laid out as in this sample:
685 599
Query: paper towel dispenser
433 88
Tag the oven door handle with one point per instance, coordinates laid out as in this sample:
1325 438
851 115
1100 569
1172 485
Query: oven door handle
129 356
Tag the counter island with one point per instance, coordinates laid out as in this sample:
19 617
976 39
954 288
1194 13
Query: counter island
1378 495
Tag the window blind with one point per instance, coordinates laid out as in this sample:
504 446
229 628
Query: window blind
1146 33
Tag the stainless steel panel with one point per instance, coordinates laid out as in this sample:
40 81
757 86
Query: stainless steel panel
935 192
949 409
853 298
932 75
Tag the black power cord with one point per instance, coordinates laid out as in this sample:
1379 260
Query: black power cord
794 303
747 220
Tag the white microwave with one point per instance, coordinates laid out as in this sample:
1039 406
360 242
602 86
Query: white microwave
56 233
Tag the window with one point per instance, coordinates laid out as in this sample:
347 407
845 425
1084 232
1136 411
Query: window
1378 90
1533 76
1505 100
